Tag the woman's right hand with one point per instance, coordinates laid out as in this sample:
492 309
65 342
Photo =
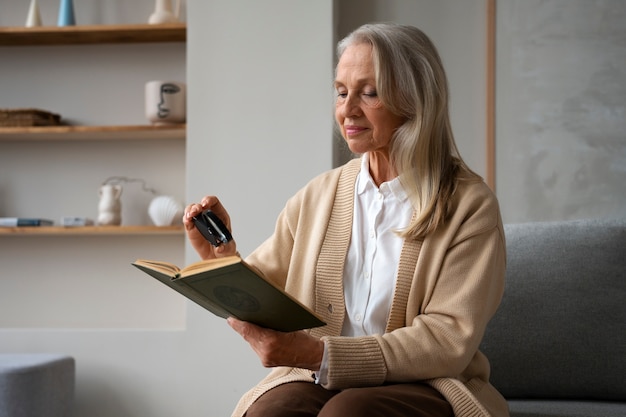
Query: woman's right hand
199 243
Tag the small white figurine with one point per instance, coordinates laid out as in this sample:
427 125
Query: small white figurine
110 206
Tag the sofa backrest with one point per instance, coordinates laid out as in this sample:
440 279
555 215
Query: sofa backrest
560 331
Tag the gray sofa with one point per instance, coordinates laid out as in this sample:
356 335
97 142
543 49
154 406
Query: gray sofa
36 385
557 345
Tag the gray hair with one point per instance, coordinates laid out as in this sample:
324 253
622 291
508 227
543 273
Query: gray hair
411 82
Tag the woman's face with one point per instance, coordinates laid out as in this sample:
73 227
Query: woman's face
366 125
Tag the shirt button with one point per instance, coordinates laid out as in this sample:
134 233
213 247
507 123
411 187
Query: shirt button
366 275
358 317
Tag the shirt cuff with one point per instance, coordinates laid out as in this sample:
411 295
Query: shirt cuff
321 376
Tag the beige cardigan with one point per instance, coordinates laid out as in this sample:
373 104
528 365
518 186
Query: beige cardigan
448 287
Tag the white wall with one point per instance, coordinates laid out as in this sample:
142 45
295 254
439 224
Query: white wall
261 106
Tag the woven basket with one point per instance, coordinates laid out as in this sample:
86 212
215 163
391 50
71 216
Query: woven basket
28 117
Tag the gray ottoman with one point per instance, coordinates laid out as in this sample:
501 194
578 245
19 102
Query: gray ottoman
36 385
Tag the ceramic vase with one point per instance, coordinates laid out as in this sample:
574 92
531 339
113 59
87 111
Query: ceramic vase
110 205
165 210
66 13
163 13
34 17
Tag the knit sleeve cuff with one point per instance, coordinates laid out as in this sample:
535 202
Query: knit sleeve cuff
353 362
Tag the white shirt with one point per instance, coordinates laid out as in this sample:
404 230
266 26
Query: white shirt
372 260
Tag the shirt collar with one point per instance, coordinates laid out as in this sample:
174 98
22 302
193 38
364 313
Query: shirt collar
365 182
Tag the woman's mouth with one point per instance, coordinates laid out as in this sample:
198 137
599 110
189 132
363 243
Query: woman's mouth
353 130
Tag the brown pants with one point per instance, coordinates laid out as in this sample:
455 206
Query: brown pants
304 399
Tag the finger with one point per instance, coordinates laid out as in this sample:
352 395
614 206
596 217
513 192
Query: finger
236 325
210 202
206 202
192 209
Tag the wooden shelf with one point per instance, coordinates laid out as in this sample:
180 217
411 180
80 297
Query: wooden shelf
92 34
92 231
56 133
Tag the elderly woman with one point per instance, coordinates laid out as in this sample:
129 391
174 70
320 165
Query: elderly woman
401 251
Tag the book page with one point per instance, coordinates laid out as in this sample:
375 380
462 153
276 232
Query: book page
209 264
161 266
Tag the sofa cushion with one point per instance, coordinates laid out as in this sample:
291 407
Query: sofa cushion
547 408
560 330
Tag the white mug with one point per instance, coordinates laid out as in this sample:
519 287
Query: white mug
166 102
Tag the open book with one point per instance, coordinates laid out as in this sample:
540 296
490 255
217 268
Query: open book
230 287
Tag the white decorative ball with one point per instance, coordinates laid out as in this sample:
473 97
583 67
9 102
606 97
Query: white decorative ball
165 210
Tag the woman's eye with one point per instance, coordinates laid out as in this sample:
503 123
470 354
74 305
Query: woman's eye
370 98
341 94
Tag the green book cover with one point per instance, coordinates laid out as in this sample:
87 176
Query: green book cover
230 287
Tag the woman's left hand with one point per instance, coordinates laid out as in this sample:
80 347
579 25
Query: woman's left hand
274 348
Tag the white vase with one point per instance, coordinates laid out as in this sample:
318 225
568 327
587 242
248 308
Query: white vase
34 17
165 210
110 205
163 13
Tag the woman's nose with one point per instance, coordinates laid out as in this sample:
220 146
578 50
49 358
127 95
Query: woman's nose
351 106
